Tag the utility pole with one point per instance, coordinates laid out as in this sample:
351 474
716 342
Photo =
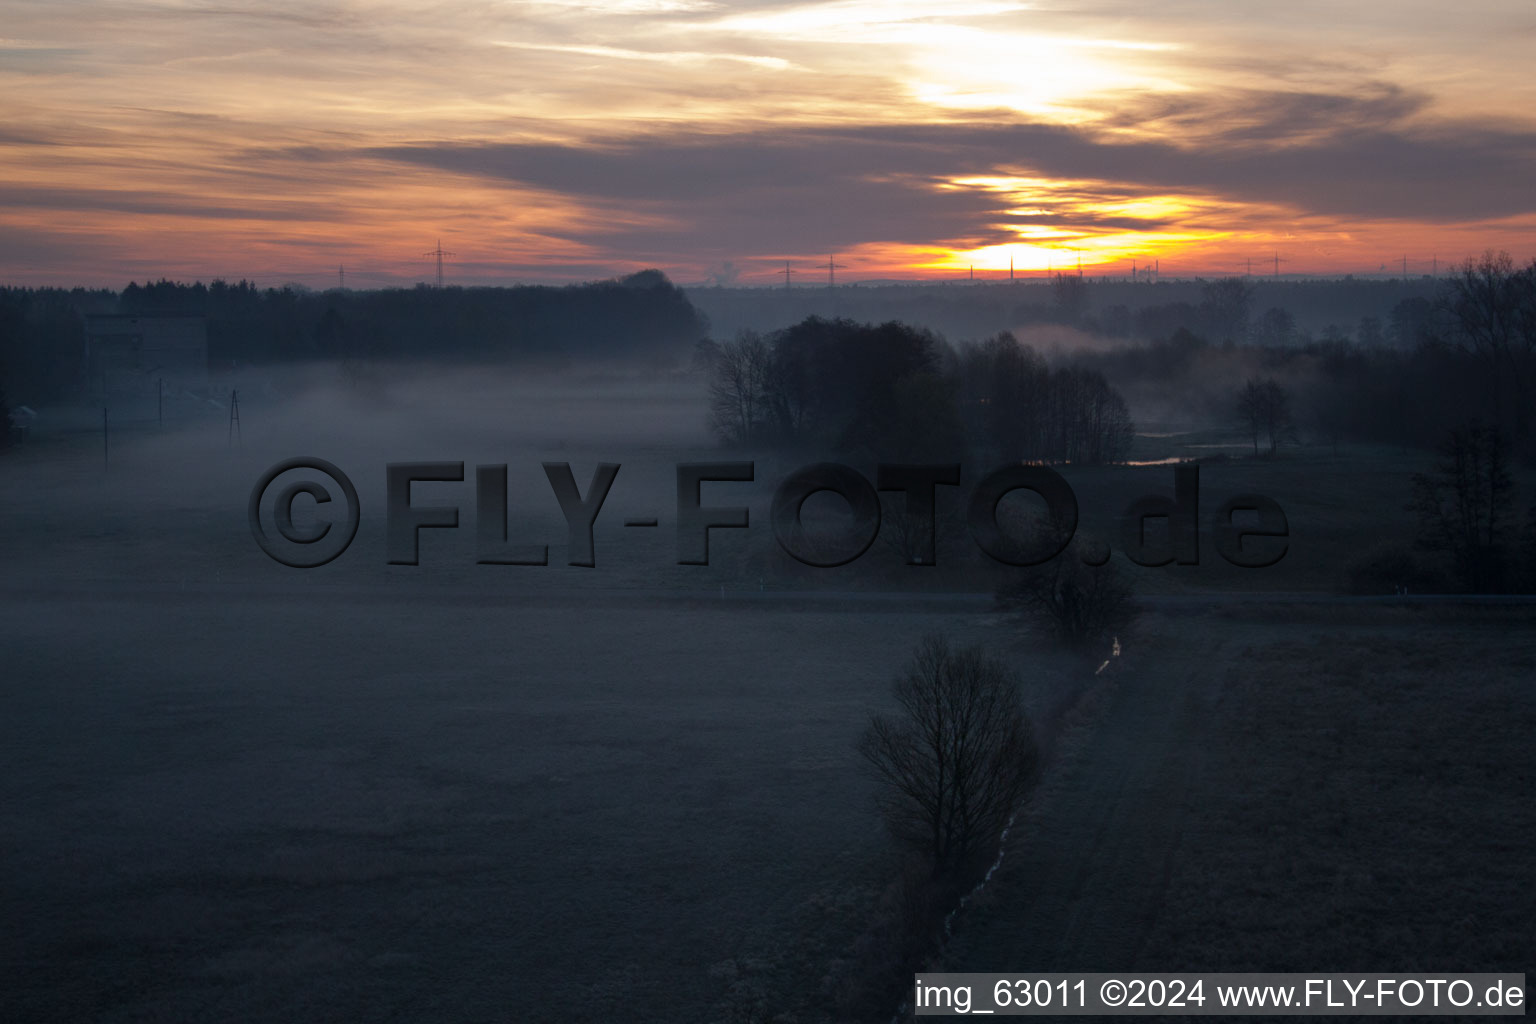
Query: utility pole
1010 266
786 272
234 416
832 266
439 253
1405 268
341 277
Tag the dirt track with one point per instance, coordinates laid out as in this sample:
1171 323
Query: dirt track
1083 883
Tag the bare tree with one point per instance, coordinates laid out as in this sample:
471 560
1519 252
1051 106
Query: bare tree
1492 307
738 388
957 760
1464 508
912 536
1089 422
1070 601
1077 598
1265 409
1018 408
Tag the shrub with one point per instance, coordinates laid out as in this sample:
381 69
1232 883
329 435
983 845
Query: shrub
1077 605
1395 569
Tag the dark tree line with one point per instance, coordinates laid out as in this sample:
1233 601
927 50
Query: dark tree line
1408 378
7 422
1490 306
1019 408
899 392
642 317
876 389
1466 510
42 339
1264 409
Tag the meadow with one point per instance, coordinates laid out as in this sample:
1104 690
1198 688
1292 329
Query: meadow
232 790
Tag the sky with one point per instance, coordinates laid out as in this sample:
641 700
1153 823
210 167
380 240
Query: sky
561 140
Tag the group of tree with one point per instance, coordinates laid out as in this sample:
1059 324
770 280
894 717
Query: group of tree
642 317
879 389
1403 375
1406 379
7 421
1264 408
1467 513
900 392
1490 306
42 336
1019 408
1470 535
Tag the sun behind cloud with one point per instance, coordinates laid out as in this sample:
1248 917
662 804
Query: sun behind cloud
561 139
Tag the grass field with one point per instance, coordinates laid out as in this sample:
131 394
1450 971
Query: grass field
237 791
1349 791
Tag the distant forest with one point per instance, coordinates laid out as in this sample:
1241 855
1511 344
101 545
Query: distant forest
1057 385
640 317
896 392
1050 371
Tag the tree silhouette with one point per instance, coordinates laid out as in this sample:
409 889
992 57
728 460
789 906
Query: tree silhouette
958 758
1265 409
1464 507
7 424
1073 603
1492 307
739 388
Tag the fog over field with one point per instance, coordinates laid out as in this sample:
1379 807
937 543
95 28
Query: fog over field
723 511
236 790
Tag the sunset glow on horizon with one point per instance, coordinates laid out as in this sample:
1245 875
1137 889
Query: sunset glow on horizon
562 140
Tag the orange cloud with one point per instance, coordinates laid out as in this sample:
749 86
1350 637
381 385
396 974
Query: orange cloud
573 138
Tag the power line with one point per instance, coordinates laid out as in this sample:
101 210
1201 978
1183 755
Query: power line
439 252
787 272
832 267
